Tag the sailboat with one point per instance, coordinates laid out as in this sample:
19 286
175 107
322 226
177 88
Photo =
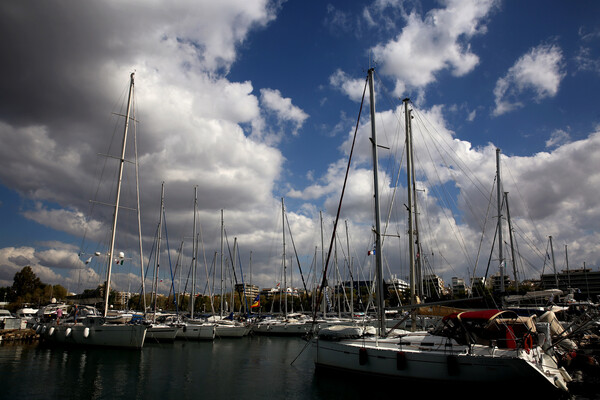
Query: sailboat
289 324
192 328
480 347
159 332
226 327
85 325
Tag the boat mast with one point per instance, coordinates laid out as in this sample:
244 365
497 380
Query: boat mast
350 269
284 263
118 197
499 193
222 234
409 179
553 263
512 247
567 261
324 288
157 258
195 254
417 240
232 308
139 218
378 259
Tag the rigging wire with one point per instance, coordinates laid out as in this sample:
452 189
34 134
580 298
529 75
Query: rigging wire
324 280
490 199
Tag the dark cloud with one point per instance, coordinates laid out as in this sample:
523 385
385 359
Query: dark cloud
21 261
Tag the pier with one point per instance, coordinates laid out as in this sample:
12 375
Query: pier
13 335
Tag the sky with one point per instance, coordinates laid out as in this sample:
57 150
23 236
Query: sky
251 102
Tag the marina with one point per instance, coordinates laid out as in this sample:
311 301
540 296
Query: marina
325 254
490 346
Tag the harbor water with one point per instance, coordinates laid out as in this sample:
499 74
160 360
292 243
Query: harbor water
253 367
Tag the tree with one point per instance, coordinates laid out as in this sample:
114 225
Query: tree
55 291
26 282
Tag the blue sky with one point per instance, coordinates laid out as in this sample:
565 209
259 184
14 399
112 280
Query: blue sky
253 101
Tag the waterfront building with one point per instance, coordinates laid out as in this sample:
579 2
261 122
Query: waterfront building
459 288
433 286
396 285
251 291
270 292
496 281
586 281
122 299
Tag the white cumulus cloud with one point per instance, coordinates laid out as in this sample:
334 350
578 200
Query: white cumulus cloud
537 75
439 41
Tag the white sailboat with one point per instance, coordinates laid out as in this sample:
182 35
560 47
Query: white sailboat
227 327
192 328
93 329
289 324
484 347
159 332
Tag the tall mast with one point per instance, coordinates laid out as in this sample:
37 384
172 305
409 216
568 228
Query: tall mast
139 218
157 258
500 242
222 235
411 240
284 263
567 261
350 269
195 253
417 242
324 305
232 308
378 259
339 281
512 247
118 197
553 263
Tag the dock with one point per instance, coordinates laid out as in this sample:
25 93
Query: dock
13 335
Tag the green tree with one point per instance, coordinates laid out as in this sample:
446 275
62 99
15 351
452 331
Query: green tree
59 292
26 282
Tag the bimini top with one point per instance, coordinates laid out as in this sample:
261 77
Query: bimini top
480 315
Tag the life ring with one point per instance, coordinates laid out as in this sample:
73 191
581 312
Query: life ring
527 342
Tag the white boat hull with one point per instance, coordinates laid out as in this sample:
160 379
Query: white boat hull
103 335
188 331
231 330
278 328
161 333
386 358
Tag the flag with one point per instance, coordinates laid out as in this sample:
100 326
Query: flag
371 252
256 302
